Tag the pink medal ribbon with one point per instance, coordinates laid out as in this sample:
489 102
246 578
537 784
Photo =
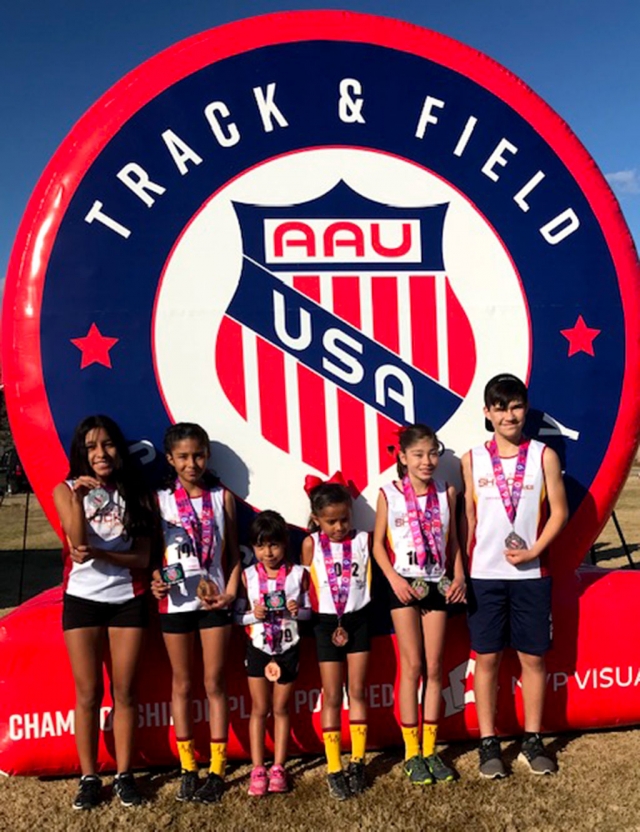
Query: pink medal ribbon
510 499
424 525
202 530
273 622
339 593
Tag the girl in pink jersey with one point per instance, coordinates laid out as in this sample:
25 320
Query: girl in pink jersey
275 598
196 588
416 546
107 515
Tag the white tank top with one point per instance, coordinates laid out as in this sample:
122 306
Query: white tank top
178 548
96 579
293 590
360 586
486 552
399 540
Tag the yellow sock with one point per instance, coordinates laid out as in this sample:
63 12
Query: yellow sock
358 740
332 750
429 731
187 755
218 757
411 737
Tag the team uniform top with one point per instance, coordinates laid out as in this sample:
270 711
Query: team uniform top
178 548
486 552
360 586
399 540
289 630
97 579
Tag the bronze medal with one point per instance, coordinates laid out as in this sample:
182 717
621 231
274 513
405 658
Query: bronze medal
207 590
340 636
273 671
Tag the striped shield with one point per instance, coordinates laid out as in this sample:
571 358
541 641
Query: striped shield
345 325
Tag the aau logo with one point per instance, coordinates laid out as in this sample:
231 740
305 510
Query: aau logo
304 230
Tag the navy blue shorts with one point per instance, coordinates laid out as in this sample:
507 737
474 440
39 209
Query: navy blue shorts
514 614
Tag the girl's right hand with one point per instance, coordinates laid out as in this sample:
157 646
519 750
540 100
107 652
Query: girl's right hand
82 485
158 587
402 589
260 611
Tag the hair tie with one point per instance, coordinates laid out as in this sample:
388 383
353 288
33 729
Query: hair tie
311 481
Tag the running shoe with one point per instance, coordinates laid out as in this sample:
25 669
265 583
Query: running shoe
211 790
189 783
278 780
491 765
417 771
357 778
258 783
338 786
442 773
89 792
124 787
534 755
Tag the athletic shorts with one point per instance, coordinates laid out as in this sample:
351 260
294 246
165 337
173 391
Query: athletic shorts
80 612
256 660
514 614
433 600
357 626
193 620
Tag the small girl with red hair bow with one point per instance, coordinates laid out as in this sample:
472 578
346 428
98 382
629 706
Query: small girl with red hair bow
340 592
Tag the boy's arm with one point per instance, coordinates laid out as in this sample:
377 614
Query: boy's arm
468 518
558 510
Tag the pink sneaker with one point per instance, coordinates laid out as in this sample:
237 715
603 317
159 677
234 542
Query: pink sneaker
278 781
258 784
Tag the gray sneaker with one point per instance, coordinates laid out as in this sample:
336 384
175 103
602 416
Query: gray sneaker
491 765
535 756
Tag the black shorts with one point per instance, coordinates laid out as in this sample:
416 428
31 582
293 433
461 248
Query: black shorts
433 600
190 622
79 612
505 613
289 662
357 626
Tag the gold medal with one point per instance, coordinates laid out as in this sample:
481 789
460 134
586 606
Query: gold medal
340 636
420 588
273 671
444 585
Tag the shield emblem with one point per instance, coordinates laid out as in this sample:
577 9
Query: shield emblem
371 278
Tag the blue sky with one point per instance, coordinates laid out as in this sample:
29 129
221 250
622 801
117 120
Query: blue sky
57 58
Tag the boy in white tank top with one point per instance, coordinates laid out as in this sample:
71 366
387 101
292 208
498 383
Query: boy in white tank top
515 506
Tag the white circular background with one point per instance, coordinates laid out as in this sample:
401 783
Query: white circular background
202 273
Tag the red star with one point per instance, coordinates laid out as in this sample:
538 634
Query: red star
580 337
94 347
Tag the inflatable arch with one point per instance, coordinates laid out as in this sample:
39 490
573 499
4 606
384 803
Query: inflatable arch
302 231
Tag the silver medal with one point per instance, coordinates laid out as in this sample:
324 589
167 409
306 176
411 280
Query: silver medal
514 541
98 499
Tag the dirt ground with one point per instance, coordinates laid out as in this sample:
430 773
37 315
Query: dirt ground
594 790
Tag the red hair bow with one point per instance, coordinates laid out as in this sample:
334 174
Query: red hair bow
311 481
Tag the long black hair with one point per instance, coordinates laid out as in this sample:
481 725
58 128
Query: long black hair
327 494
138 520
409 436
177 433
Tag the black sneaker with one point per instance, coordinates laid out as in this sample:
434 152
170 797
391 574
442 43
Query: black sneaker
440 770
534 755
416 770
491 765
338 786
189 783
356 777
124 787
211 790
89 792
